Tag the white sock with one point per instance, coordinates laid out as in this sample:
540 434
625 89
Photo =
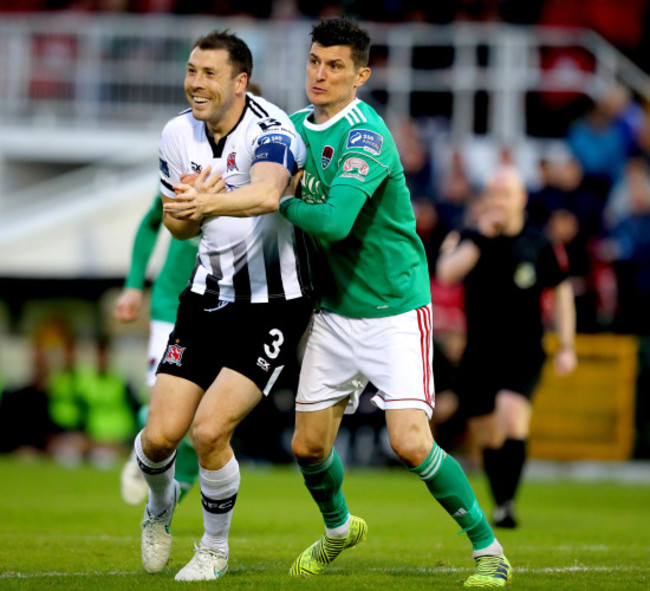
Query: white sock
339 532
494 549
159 476
219 490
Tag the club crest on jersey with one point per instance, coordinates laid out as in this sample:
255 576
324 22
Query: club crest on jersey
164 167
196 167
326 156
355 168
230 162
174 355
366 140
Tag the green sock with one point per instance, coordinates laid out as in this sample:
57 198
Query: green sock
324 480
187 466
447 482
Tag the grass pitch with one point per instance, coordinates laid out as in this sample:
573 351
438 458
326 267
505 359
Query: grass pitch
69 529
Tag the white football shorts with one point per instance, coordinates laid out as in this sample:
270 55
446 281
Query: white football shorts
343 354
158 337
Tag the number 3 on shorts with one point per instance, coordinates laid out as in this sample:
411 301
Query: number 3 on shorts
273 350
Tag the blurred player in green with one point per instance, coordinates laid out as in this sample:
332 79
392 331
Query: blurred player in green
374 321
170 282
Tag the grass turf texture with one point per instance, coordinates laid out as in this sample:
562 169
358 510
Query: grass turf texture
69 529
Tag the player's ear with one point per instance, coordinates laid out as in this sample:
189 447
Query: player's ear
241 82
362 76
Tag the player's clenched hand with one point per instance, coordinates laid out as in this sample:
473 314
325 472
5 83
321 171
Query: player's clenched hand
195 195
128 305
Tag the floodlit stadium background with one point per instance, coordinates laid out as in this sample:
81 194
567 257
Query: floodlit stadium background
85 88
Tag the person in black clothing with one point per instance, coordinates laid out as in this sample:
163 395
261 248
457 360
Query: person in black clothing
505 264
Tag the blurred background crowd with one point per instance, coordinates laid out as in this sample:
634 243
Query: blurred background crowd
558 88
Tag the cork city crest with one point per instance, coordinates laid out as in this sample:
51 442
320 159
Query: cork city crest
326 156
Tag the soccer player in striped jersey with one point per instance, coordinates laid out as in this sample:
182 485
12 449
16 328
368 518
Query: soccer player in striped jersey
248 299
374 322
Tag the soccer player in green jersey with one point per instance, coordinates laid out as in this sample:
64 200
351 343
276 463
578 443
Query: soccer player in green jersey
170 282
374 318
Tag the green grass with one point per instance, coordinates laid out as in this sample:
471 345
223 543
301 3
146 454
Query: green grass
69 529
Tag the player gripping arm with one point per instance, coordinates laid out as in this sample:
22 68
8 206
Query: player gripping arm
331 220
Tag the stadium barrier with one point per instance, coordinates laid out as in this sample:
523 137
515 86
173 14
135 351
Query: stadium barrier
588 415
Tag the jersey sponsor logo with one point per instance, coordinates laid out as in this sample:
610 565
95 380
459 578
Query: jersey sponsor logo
196 167
268 123
326 156
275 138
311 189
164 167
263 364
355 168
174 355
525 275
366 140
230 162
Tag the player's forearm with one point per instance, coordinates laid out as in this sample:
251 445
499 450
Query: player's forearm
565 315
182 229
256 198
453 266
331 220
315 219
143 245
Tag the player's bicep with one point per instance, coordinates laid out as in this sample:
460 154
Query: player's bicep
270 173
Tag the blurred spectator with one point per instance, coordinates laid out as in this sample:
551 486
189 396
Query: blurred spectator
429 229
628 116
547 197
628 247
66 403
619 202
563 230
600 145
25 424
110 408
415 158
454 193
91 407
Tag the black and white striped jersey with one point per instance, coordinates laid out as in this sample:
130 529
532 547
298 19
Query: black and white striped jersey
252 259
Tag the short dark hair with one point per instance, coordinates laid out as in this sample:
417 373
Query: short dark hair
239 54
343 31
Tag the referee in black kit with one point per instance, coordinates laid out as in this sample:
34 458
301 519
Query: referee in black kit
505 265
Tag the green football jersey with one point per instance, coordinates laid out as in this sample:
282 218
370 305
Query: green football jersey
380 268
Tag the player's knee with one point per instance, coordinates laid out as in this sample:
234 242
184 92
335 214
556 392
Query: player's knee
208 437
158 444
308 450
410 451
